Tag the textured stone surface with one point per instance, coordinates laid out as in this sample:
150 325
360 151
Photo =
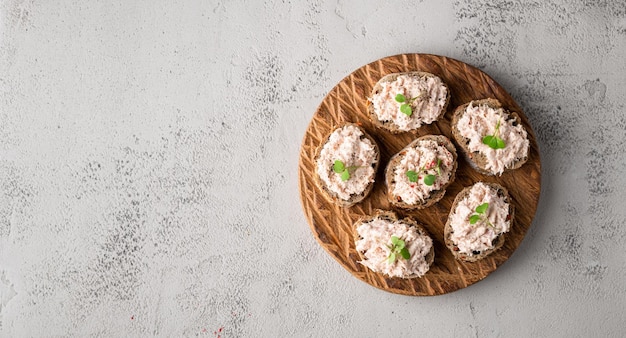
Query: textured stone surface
148 156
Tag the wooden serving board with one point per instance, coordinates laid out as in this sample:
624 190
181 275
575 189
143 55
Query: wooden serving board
333 225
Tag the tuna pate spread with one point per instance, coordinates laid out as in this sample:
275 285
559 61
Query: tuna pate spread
427 157
356 152
479 121
474 238
430 95
374 245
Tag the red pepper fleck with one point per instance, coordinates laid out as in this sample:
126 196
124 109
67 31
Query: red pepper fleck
412 185
508 217
456 248
399 199
132 317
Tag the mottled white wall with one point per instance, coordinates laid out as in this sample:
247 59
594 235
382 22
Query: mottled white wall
148 166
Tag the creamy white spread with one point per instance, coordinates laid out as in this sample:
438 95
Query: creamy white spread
374 245
426 109
423 156
346 145
470 238
480 121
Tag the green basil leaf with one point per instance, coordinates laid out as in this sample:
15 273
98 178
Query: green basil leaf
405 253
482 208
493 143
429 180
500 143
474 218
406 109
338 167
394 240
400 245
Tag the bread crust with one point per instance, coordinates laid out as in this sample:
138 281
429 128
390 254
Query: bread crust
391 216
389 125
436 195
498 241
332 196
477 160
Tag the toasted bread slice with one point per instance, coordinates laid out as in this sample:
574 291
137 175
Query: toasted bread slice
390 125
356 197
434 196
391 217
496 243
478 160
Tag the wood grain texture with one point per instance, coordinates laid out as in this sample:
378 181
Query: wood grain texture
332 225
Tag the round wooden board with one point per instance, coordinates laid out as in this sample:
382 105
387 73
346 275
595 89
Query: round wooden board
333 225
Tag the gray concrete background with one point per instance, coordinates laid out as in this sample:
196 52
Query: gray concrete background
148 166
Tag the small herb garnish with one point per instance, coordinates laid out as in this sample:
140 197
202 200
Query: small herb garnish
494 141
480 214
428 179
397 247
412 175
341 169
405 107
